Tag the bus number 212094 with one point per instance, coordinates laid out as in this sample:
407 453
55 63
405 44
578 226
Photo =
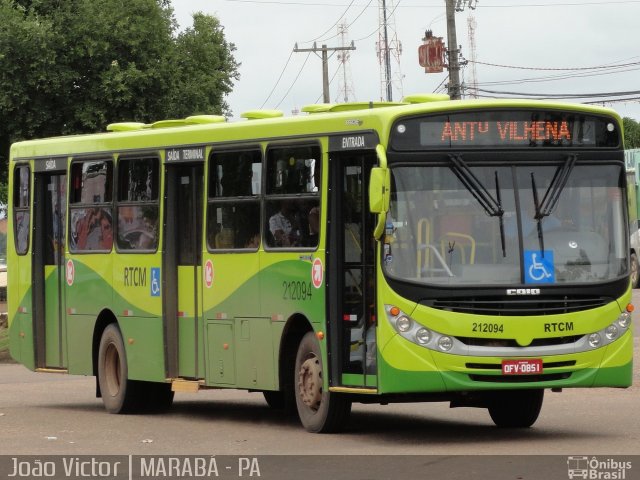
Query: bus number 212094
297 290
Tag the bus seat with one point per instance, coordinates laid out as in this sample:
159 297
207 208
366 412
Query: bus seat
224 238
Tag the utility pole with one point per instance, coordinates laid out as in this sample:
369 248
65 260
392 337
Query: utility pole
326 98
453 51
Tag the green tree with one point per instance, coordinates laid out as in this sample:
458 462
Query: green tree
74 66
207 68
631 133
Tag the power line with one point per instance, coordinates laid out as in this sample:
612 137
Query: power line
296 79
331 27
439 6
555 68
277 81
561 95
553 78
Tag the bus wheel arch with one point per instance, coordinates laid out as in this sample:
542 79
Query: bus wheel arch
105 318
296 328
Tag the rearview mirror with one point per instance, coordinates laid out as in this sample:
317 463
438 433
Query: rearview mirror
379 186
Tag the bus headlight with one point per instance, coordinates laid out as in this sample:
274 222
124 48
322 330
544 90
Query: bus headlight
624 320
423 336
611 332
595 339
414 332
403 324
445 343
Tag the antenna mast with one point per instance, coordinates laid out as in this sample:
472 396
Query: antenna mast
389 50
346 86
473 81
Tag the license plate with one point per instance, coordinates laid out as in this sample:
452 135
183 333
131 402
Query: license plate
530 366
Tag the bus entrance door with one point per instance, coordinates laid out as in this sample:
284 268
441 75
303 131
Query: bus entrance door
351 271
49 269
182 259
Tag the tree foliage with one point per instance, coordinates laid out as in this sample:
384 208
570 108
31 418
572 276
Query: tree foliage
74 66
631 133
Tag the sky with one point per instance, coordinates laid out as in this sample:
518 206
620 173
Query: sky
523 42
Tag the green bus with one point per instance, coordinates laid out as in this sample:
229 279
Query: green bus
473 252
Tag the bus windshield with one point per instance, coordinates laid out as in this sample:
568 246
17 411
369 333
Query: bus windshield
465 224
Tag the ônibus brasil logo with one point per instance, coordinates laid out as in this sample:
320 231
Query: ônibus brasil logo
597 469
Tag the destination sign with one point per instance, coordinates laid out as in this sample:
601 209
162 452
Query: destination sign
187 154
50 164
505 129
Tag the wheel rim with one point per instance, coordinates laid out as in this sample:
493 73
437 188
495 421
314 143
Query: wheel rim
112 369
310 383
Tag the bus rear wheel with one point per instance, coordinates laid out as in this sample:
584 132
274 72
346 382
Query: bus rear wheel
320 411
515 408
117 391
119 394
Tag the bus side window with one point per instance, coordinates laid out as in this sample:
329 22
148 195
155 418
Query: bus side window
293 196
138 208
91 210
22 220
233 210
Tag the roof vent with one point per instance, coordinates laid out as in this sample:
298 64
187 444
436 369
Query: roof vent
204 119
261 114
347 107
426 98
126 126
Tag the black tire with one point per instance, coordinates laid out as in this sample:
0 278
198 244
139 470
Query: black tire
635 271
153 396
516 408
319 411
274 399
118 393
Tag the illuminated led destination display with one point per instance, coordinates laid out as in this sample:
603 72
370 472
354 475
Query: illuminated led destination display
505 129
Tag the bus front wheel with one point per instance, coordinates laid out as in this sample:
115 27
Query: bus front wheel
515 408
320 411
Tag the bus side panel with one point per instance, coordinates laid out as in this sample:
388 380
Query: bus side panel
80 338
89 292
254 359
89 289
143 341
137 300
20 307
238 347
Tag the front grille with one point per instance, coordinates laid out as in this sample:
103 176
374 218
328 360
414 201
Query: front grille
506 305
509 342
550 377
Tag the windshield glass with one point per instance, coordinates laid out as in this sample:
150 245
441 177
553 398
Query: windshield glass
483 224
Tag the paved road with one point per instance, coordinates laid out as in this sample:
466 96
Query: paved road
57 414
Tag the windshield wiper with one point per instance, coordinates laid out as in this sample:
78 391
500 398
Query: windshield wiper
492 206
552 195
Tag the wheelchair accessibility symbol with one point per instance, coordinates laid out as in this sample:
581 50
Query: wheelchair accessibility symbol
538 267
155 282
